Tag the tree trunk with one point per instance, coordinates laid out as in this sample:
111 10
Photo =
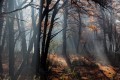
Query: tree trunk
79 32
37 43
43 54
11 40
1 46
65 54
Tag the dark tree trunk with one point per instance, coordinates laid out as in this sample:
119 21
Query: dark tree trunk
65 54
1 46
79 31
37 43
46 40
11 40
104 27
43 54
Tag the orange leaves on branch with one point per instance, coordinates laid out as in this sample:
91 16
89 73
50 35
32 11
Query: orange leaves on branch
93 28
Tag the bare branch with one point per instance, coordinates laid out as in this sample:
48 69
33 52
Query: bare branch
29 4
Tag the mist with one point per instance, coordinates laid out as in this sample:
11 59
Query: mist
59 39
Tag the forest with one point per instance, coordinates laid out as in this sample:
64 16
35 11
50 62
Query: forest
59 39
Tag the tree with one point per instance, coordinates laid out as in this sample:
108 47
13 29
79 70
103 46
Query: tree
46 39
65 25
11 40
1 45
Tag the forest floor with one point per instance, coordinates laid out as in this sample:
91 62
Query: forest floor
82 68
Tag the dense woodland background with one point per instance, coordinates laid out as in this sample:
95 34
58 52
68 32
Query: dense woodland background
59 39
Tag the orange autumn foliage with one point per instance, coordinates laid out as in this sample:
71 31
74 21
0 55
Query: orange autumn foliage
93 28
107 70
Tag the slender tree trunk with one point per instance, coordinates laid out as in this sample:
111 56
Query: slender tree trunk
65 54
47 39
34 32
43 54
37 44
104 26
11 40
24 44
1 46
23 36
79 32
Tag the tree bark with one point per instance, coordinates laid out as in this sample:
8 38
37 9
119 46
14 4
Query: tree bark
11 40
1 46
64 52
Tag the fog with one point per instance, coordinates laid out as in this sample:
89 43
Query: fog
38 36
